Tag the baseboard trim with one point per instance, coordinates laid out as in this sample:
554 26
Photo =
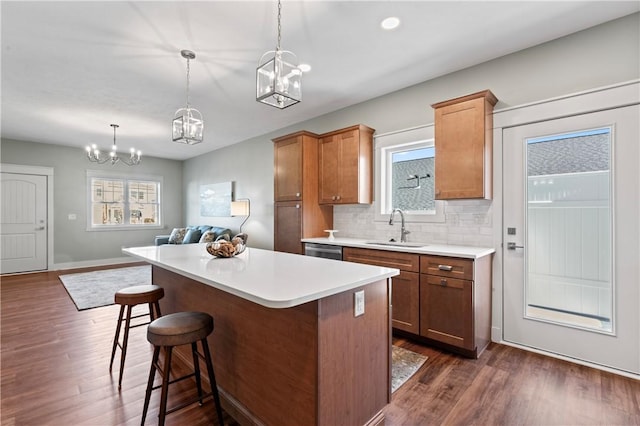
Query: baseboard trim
92 263
624 373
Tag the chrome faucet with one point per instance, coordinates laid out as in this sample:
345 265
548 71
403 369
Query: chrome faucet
403 231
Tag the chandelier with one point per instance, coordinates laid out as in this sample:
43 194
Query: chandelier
94 154
188 126
278 77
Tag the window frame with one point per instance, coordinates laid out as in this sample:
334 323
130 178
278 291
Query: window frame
126 178
385 145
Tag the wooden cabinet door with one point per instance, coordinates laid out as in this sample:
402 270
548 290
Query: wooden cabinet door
288 169
459 161
405 288
329 166
405 302
463 142
348 167
446 310
288 227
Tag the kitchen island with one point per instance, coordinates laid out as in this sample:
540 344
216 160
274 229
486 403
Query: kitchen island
287 346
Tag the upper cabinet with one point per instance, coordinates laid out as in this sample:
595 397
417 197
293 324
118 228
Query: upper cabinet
288 163
463 142
346 166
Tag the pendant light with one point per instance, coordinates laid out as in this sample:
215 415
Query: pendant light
278 77
188 126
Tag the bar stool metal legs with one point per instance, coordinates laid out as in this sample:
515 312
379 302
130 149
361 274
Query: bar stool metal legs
127 298
174 330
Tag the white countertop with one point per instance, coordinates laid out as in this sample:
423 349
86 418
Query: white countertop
269 278
432 249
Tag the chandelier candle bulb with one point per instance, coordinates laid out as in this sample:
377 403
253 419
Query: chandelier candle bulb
95 156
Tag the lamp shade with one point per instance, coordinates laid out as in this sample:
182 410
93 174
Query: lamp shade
240 208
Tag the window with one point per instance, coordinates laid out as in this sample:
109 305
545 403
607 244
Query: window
119 201
569 223
405 175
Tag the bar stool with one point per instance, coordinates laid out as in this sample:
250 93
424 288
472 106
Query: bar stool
128 298
177 329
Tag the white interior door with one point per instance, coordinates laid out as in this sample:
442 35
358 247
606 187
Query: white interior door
572 237
23 217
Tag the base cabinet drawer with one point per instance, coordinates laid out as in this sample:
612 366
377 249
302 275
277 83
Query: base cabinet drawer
451 267
447 310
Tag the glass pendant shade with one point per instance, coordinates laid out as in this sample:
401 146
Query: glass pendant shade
278 79
188 126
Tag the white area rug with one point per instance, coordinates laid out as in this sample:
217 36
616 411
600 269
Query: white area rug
94 289
404 364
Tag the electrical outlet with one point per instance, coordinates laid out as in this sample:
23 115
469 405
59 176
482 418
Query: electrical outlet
358 306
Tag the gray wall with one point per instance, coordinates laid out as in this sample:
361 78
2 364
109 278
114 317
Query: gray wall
599 56
249 165
72 242
596 57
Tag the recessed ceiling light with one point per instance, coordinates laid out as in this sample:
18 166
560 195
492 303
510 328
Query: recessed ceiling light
390 23
304 67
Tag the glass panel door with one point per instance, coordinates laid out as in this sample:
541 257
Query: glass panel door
570 243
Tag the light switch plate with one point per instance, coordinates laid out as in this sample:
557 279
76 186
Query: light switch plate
358 306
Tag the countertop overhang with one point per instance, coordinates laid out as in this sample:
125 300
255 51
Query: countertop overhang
269 278
430 249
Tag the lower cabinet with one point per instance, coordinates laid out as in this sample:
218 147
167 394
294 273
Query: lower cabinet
455 302
288 227
405 288
405 296
447 310
439 299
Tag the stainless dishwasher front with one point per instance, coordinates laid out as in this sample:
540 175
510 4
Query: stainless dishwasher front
326 251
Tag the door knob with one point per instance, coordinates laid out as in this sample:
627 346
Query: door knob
512 246
41 228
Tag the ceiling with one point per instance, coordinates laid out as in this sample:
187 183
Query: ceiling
70 69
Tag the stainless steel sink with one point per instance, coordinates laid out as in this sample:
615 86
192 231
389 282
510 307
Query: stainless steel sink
395 244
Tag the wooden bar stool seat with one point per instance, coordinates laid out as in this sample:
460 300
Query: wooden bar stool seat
178 329
128 298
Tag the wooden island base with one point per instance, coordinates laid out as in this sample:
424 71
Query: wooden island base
312 364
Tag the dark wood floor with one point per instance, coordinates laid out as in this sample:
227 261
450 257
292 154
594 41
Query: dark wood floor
54 370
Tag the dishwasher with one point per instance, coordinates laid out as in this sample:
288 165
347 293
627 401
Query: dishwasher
326 251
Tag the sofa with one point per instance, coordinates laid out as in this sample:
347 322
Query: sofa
193 234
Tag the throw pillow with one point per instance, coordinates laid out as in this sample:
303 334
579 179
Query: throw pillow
192 236
207 237
177 235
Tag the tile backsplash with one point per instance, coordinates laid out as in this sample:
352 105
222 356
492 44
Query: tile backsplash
467 222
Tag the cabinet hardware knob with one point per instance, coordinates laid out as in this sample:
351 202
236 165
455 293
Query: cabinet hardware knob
447 268
443 281
337 197
297 206
297 194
